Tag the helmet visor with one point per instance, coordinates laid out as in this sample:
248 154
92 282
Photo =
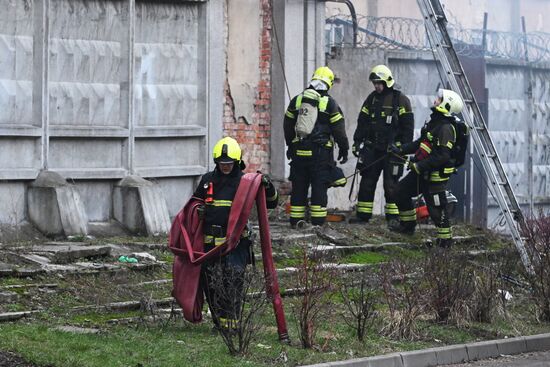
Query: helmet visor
375 77
224 159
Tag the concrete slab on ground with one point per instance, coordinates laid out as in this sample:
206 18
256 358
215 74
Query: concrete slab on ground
67 253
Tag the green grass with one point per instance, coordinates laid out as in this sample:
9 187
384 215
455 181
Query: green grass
177 343
118 346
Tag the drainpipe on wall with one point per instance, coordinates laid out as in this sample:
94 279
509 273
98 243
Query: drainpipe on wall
353 16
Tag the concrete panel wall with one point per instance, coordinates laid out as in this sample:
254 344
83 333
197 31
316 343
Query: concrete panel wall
99 89
96 197
177 190
12 201
16 63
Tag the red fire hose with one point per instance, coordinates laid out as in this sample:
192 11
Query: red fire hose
186 242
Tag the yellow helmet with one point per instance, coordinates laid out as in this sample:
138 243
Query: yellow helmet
227 150
450 102
324 74
381 73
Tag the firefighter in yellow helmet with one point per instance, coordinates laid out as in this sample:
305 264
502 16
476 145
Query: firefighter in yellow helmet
218 188
430 167
313 123
385 118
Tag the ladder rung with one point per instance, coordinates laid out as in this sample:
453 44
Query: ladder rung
480 128
445 45
468 101
458 73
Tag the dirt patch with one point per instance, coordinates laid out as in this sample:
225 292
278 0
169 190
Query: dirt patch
8 359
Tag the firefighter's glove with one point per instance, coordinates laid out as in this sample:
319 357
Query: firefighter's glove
201 209
342 156
413 167
266 181
289 153
356 150
395 149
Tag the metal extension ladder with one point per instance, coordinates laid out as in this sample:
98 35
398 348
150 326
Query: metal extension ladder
436 27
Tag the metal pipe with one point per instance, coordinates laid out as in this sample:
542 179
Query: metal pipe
353 17
484 39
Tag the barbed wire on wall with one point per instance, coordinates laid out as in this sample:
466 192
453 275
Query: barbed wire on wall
409 34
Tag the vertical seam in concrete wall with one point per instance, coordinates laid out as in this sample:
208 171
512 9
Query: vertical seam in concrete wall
40 75
531 116
131 63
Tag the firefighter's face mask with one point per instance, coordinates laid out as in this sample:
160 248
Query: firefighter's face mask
226 167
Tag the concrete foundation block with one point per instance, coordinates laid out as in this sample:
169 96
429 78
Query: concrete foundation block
419 358
54 206
451 354
535 343
512 346
482 350
139 205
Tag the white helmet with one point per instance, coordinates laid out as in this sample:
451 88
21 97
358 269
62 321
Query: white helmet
450 102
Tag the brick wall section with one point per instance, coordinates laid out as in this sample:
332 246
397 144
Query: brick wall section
255 136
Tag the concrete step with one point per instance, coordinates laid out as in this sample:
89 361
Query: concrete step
332 249
337 267
14 316
124 306
27 286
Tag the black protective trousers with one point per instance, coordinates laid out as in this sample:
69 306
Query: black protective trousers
303 174
222 280
378 162
434 196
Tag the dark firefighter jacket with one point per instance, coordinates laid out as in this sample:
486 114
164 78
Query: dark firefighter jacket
216 213
376 125
329 127
434 147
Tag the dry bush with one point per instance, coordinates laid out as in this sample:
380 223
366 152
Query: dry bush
485 297
492 275
449 285
246 301
536 232
403 294
317 281
359 299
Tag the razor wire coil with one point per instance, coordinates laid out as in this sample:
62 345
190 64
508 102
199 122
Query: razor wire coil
393 33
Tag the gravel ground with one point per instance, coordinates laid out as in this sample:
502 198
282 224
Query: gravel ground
8 359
